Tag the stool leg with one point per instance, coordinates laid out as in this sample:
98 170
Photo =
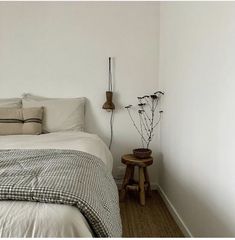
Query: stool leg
147 181
141 185
132 174
125 182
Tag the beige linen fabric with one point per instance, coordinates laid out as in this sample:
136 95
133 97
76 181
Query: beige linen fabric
15 121
10 102
60 114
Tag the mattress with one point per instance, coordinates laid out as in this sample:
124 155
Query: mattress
33 219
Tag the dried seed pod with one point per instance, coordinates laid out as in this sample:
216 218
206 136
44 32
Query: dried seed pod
160 92
153 96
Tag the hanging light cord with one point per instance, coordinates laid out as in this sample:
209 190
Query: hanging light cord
112 113
110 75
111 129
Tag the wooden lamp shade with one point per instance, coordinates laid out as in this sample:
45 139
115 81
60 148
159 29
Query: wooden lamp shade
108 105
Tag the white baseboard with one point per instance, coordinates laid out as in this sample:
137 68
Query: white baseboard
175 214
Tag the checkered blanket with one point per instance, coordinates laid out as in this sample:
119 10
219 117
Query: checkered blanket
63 177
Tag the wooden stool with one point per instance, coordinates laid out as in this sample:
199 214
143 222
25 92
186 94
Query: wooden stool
129 183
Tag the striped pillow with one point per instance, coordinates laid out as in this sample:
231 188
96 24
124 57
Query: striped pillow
14 121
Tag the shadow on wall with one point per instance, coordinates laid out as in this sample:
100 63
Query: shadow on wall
125 146
92 125
198 215
90 120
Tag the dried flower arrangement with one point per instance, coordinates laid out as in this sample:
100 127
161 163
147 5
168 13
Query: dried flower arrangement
148 119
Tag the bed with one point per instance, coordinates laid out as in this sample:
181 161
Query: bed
38 219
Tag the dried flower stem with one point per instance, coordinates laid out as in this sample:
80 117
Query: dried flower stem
147 106
136 127
141 129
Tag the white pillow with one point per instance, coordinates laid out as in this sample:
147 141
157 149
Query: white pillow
60 114
10 103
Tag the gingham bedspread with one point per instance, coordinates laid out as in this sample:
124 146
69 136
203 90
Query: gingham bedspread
63 177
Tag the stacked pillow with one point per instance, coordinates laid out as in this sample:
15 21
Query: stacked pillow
36 115
60 114
11 103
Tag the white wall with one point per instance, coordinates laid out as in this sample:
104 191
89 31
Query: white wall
61 49
58 49
197 59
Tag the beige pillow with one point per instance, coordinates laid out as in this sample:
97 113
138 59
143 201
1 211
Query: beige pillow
10 102
60 114
15 121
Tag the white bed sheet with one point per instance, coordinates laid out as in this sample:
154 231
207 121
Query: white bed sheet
32 219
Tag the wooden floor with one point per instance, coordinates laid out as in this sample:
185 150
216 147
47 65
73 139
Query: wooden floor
152 220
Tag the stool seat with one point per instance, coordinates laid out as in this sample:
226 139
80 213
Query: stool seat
129 183
130 159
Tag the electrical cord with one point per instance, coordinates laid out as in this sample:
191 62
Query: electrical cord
111 129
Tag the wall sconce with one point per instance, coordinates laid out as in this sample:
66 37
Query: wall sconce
109 105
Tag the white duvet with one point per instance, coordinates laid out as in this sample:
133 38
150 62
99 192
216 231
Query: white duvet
32 219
